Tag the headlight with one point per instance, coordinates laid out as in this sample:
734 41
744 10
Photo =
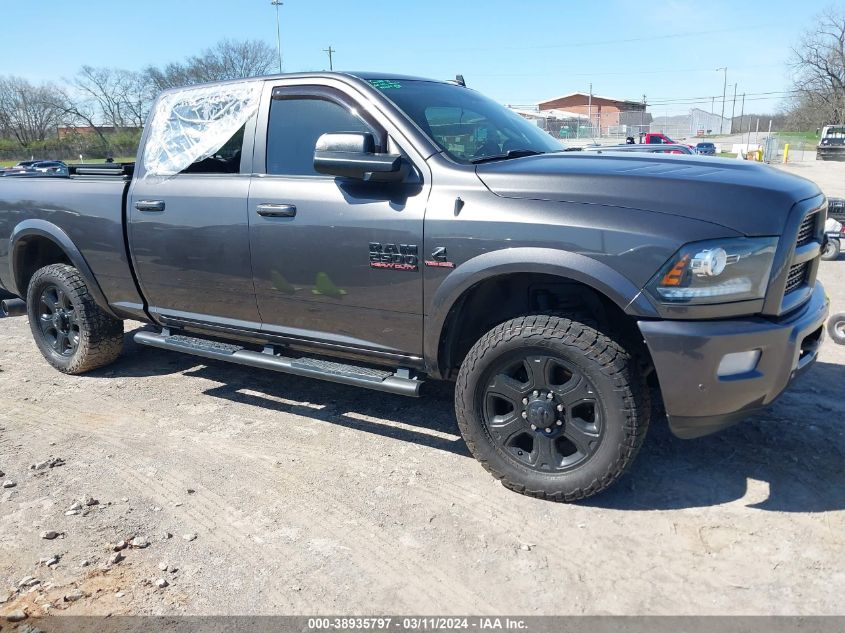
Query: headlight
716 271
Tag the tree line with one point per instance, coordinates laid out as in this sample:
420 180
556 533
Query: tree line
818 64
114 102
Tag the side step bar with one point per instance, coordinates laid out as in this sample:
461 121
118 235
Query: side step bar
378 379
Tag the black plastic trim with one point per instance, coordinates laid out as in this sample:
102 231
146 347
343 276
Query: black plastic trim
42 228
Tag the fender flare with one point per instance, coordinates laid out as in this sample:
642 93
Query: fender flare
42 228
590 272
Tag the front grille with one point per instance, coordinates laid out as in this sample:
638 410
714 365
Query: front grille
797 276
807 230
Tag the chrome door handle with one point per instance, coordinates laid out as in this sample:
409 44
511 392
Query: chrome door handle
150 205
268 210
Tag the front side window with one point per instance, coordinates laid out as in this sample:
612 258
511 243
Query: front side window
468 126
294 127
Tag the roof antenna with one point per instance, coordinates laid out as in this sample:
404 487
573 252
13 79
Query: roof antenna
459 79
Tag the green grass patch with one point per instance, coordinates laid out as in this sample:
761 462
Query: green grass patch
794 138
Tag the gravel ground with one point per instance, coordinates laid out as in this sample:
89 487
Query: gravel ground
258 493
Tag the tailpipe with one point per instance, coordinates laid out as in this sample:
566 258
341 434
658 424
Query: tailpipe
12 308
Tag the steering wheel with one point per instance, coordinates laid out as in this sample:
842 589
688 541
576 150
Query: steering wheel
488 149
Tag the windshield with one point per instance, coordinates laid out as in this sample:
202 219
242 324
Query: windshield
466 125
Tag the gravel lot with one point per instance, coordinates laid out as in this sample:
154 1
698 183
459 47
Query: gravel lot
306 497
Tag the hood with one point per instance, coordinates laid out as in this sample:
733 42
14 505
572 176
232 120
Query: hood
748 197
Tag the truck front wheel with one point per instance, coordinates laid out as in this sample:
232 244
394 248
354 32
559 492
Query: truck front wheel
73 333
552 407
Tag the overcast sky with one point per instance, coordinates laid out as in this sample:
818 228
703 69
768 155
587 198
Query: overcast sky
517 51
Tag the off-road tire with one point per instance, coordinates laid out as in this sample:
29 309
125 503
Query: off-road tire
100 338
830 250
620 388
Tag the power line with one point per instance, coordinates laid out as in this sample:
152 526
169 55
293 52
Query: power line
629 40
756 96
682 100
665 71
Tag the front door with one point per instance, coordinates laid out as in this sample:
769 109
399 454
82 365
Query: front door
312 235
189 237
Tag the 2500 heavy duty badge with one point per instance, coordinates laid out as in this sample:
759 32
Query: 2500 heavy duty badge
394 256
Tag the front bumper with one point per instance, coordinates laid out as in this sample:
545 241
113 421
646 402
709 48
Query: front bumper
686 356
831 152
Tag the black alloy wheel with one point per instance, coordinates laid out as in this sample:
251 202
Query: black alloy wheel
57 319
542 412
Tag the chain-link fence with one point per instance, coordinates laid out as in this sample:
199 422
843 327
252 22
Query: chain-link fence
612 126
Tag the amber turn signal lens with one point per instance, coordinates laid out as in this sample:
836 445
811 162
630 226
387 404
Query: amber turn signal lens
676 273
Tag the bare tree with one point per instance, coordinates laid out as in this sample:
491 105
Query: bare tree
120 98
228 59
27 111
819 66
231 59
77 113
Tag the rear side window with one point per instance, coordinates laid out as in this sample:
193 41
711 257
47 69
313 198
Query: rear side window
226 159
294 127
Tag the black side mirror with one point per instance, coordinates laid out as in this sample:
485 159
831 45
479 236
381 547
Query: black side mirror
353 155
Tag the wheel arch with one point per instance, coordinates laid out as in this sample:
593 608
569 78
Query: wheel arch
449 304
34 244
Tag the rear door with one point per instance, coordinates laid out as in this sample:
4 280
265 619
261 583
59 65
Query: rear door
312 235
189 239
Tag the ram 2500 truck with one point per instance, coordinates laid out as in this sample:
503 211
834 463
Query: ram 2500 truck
379 230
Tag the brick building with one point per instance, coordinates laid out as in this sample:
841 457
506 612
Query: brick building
603 112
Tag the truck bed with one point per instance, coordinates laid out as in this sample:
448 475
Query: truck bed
88 206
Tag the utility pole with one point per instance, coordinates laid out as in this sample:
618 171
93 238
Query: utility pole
277 4
590 111
733 111
724 91
330 51
642 116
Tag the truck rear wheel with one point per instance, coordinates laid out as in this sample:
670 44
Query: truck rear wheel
552 407
73 333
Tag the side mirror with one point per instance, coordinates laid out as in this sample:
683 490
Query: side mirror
353 155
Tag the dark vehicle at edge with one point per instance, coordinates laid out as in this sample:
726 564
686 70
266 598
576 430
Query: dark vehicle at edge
705 148
378 231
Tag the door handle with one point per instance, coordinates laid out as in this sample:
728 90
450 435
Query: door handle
268 210
150 205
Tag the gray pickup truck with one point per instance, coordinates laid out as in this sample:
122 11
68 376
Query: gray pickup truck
378 231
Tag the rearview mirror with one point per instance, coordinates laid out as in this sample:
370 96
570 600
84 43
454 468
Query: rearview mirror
353 155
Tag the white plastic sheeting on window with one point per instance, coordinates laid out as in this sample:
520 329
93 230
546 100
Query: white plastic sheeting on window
192 124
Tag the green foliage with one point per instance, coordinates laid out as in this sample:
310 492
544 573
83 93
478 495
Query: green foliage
70 146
